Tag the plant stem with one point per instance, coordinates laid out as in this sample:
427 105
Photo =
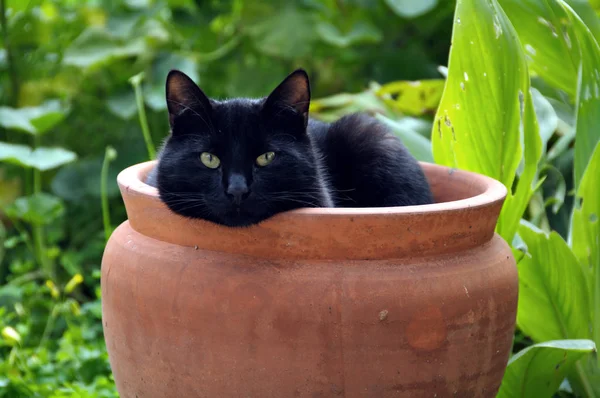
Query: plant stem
10 59
48 328
31 276
136 82
39 238
109 155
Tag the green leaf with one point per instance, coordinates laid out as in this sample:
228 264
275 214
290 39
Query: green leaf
585 231
546 116
553 299
14 153
11 336
588 96
584 9
123 104
553 34
411 8
585 236
554 178
361 32
96 46
333 107
538 370
486 115
414 98
41 158
477 123
418 146
288 34
33 120
542 29
37 209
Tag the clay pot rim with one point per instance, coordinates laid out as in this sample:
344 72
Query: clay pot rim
130 181
333 233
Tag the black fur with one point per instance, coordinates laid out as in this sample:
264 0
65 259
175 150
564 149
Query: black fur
354 162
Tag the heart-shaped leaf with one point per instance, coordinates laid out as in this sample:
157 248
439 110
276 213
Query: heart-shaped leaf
41 158
33 120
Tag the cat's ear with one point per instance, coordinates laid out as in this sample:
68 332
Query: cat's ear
293 94
184 95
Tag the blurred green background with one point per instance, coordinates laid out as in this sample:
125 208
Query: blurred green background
66 95
82 97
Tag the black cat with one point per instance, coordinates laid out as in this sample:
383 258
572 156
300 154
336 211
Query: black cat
240 161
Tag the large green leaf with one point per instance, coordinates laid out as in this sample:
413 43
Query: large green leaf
486 104
537 371
588 96
553 34
585 230
585 234
553 297
584 9
547 41
41 158
34 119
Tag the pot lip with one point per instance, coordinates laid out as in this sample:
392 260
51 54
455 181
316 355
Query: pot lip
130 181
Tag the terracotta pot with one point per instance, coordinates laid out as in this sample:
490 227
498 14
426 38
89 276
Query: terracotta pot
400 302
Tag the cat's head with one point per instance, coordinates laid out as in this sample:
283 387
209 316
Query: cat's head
237 162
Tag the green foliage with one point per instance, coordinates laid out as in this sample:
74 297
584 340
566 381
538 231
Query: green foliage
538 371
81 81
497 127
487 66
73 76
549 307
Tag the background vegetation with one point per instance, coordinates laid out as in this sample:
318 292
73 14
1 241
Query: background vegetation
81 89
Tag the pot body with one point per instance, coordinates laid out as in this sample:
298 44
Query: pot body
183 321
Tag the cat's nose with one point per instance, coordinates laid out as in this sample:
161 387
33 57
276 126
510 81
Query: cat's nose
237 188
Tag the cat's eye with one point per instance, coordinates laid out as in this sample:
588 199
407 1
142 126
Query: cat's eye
210 160
265 159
